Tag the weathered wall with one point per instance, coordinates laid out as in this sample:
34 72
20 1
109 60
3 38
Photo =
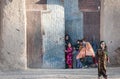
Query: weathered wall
53 38
13 51
73 20
0 25
0 13
110 26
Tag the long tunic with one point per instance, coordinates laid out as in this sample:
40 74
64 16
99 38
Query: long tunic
102 60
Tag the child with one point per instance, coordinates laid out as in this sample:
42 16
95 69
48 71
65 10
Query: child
69 57
102 58
67 40
77 45
79 64
86 52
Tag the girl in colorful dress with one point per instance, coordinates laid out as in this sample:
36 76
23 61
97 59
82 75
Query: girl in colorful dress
69 56
67 40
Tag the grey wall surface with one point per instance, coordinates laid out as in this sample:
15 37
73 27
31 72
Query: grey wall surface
110 27
13 50
0 25
73 20
0 12
53 38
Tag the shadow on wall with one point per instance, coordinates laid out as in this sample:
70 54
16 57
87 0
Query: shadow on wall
115 59
53 2
1 16
0 22
6 1
41 2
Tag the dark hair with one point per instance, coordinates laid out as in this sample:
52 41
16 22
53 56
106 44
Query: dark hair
105 45
66 35
84 39
78 40
81 40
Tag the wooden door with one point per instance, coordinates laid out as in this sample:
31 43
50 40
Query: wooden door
34 35
34 39
92 26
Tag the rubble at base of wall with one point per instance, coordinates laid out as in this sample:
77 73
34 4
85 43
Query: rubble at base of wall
116 57
117 51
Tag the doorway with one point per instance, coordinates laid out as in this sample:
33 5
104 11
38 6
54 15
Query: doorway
34 39
45 34
91 19
91 25
34 34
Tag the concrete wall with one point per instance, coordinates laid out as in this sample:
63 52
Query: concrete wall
13 51
110 27
53 24
73 20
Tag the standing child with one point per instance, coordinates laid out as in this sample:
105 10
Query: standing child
67 40
102 56
69 56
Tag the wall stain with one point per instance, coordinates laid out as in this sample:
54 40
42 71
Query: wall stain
6 2
1 29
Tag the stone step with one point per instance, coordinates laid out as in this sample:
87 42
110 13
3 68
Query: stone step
91 73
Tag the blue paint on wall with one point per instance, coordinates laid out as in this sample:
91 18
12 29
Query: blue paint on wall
73 20
54 59
54 27
53 40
